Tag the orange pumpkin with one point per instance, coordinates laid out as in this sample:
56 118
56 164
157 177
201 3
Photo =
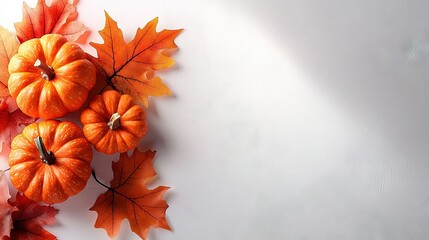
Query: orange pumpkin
50 161
113 122
50 77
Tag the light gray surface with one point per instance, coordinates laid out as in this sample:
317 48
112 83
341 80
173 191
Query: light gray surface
290 119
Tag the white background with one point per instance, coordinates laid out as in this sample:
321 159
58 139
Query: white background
293 119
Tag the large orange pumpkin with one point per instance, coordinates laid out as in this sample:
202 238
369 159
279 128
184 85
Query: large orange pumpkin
50 77
113 122
50 161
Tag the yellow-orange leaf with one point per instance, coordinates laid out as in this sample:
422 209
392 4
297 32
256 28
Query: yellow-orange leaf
130 66
128 197
8 47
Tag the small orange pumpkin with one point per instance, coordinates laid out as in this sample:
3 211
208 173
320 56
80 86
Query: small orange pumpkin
50 77
113 122
50 161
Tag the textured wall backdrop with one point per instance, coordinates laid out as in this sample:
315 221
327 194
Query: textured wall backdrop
291 119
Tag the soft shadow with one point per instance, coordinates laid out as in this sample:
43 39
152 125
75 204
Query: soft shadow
369 57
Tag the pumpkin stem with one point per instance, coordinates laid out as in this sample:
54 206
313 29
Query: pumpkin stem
47 71
47 157
115 121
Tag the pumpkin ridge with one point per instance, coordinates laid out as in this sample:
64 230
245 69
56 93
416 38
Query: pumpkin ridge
51 177
68 52
125 104
44 130
95 136
60 77
31 91
75 104
135 113
57 144
61 72
112 140
32 160
97 105
111 101
30 132
21 61
104 115
23 79
31 50
24 143
131 124
34 166
50 94
98 118
51 47
57 171
59 153
66 127
20 156
72 170
38 181
51 146
106 140
124 129
119 139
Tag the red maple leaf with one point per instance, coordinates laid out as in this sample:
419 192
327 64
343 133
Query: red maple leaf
29 219
12 120
59 17
5 208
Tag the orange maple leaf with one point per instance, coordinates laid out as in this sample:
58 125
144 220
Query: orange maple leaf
59 17
8 47
130 67
128 197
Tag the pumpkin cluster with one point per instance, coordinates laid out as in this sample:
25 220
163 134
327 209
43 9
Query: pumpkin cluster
51 159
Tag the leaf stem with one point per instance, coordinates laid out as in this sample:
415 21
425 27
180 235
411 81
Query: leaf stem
2 172
98 181
103 88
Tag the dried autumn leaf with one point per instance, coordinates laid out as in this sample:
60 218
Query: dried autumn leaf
59 17
29 219
130 66
8 47
12 120
5 208
128 197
